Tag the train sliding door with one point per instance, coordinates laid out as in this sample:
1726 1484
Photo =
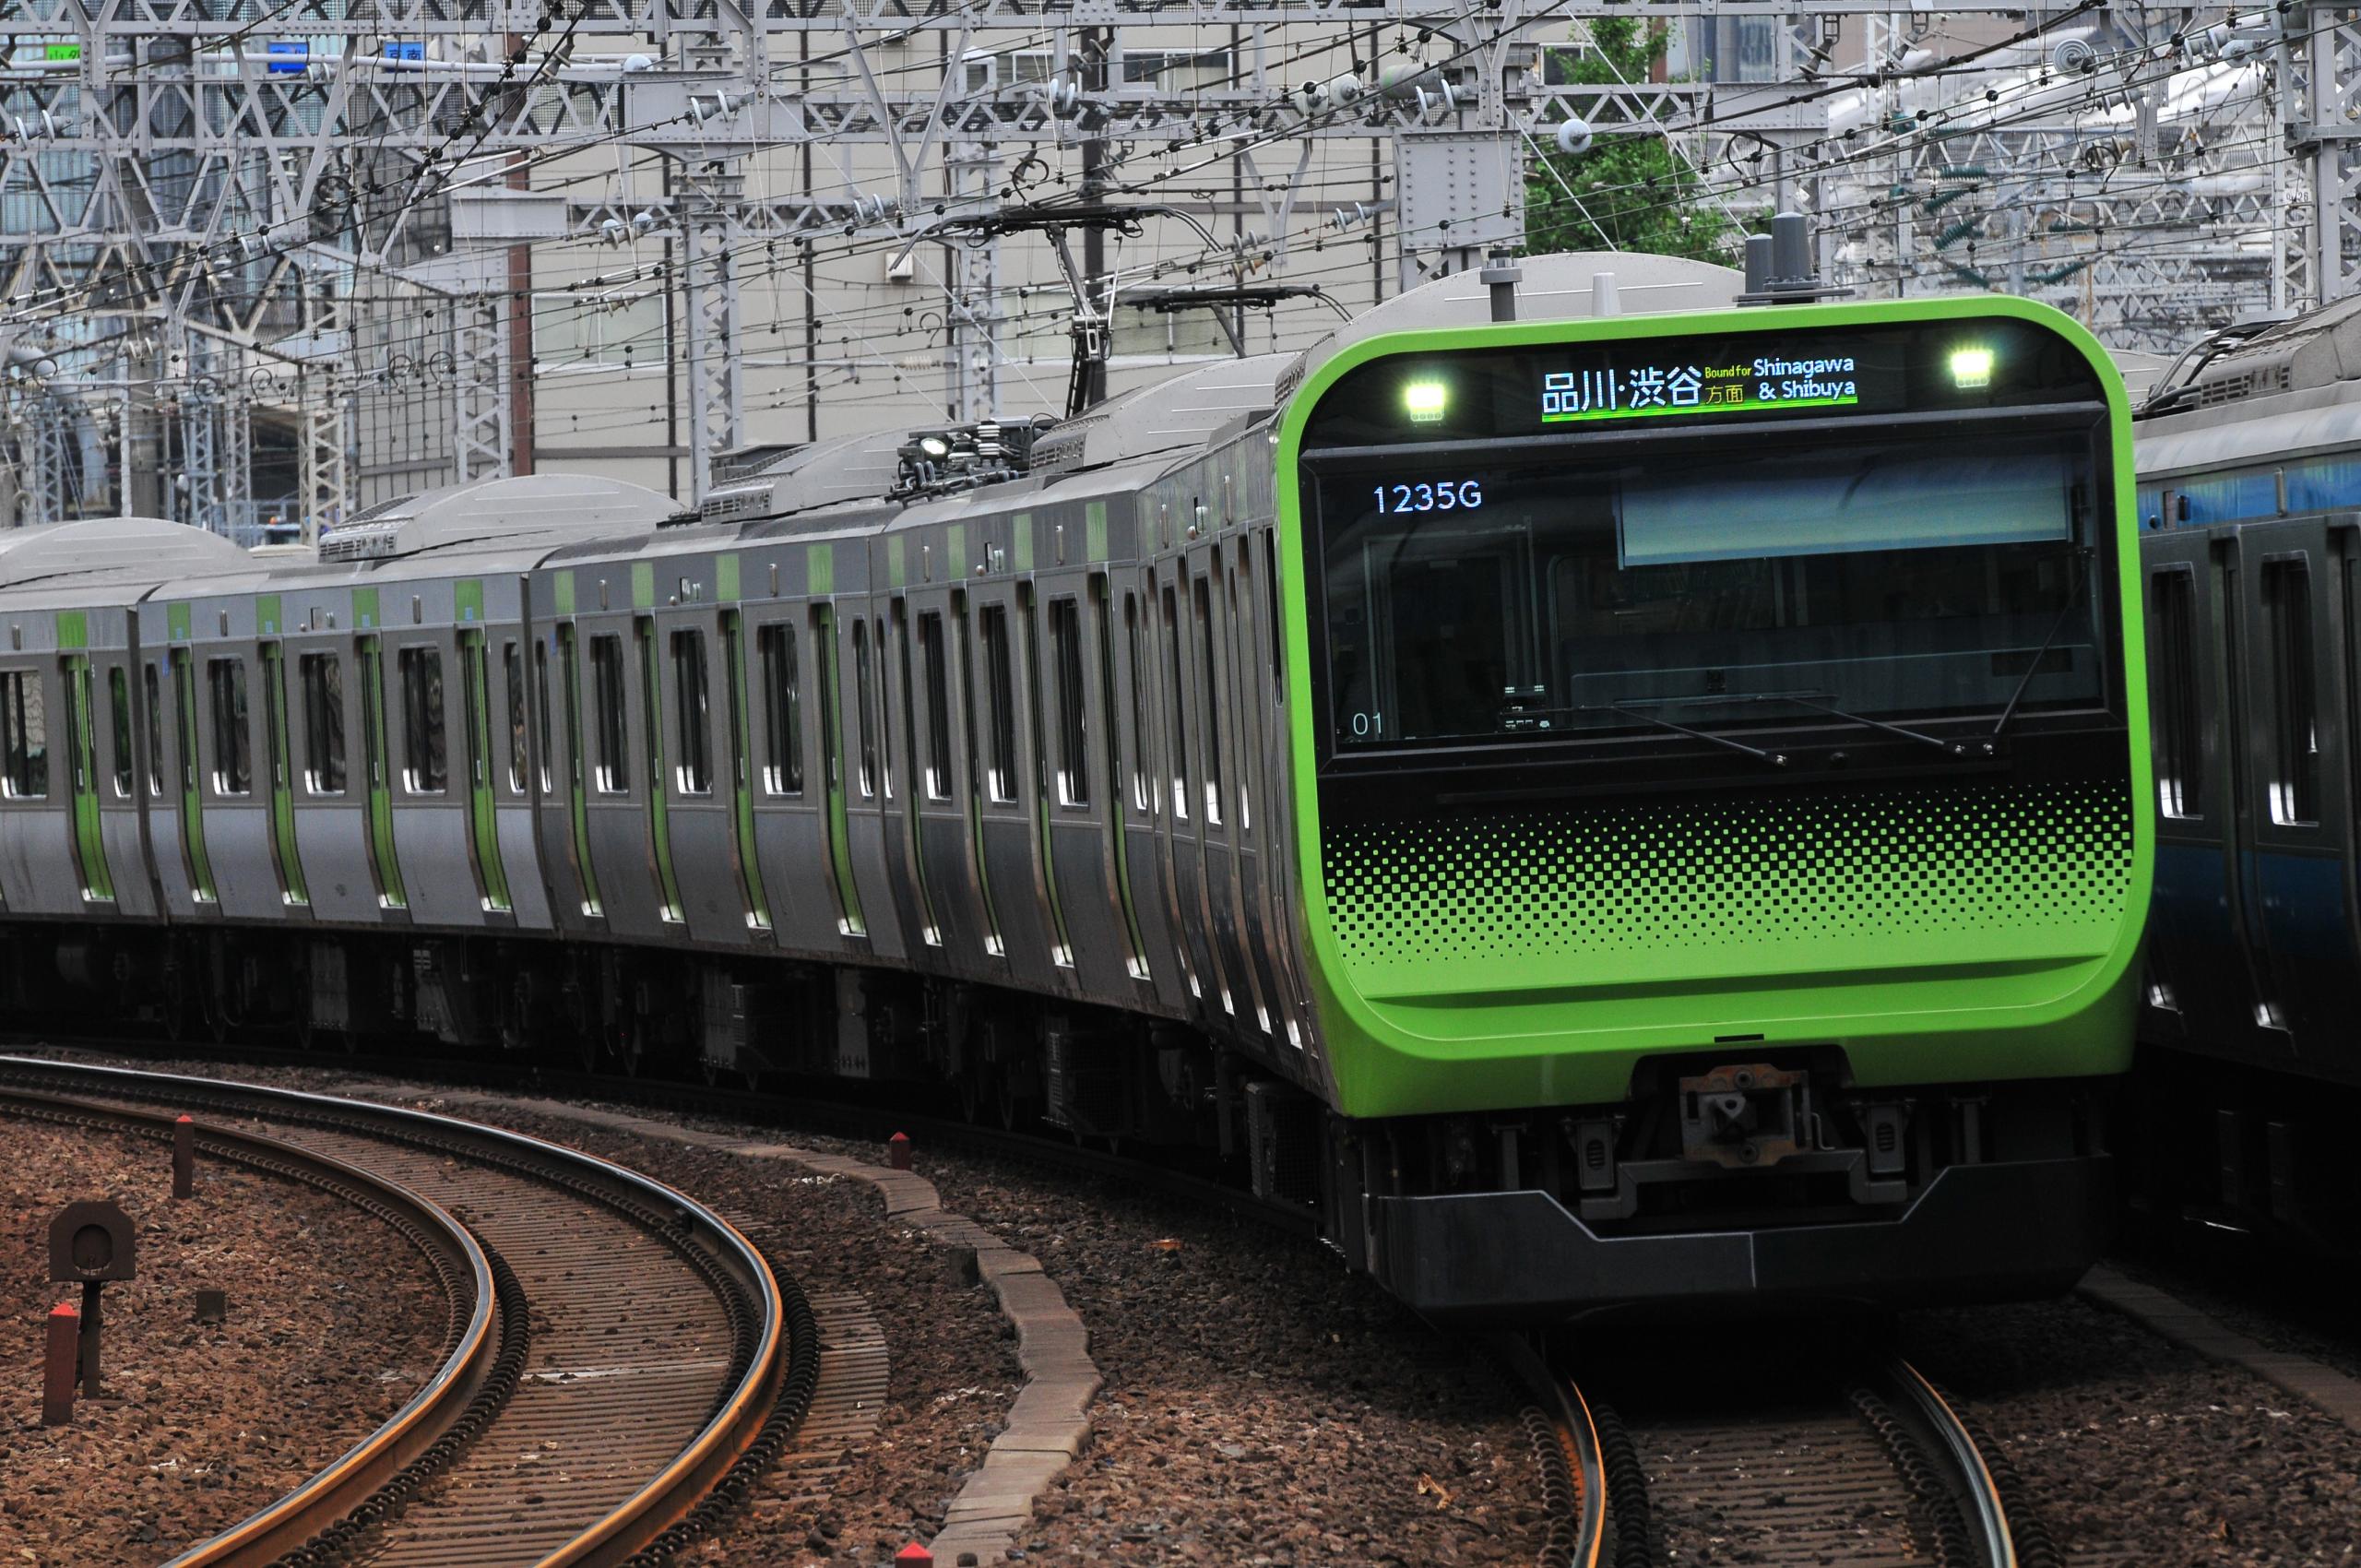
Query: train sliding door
1006 822
939 707
2201 990
2298 816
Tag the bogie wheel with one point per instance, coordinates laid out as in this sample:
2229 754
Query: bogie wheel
179 1007
220 1017
518 1029
628 1045
1015 1111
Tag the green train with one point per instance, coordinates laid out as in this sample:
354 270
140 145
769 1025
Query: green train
1615 812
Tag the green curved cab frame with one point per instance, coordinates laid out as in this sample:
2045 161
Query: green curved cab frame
1509 1031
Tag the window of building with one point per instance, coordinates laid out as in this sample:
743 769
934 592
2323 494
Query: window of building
694 771
610 771
782 709
1136 330
233 768
323 675
425 759
1177 70
619 330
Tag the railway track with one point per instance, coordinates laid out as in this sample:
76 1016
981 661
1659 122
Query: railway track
628 1360
1872 1469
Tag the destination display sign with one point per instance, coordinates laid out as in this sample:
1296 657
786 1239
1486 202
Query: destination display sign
1747 379
1586 383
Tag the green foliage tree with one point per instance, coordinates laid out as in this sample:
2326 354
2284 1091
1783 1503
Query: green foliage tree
1629 191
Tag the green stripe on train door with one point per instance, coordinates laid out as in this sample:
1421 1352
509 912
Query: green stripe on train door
292 887
659 786
824 638
82 750
382 859
742 763
200 865
484 822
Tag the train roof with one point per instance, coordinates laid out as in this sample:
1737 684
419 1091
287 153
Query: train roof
1550 288
808 478
526 516
1172 418
2260 389
119 558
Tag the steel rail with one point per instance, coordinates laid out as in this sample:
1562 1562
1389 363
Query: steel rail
665 1502
1579 1535
434 1409
1942 1432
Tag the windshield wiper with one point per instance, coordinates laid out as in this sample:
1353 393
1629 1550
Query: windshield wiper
1773 759
2057 625
1952 747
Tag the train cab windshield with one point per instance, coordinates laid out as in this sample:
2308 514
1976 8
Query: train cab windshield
1714 578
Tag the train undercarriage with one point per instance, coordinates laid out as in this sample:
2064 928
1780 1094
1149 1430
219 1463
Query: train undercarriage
1762 1179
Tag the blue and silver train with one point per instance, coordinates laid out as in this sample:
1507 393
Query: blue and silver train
2250 462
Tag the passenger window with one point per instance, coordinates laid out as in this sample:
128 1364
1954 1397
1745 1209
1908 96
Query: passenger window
1142 774
2295 772
152 691
323 723
425 762
1241 684
233 772
1065 650
1271 595
1000 769
512 671
541 696
862 699
74 678
1209 696
27 735
938 706
694 772
782 709
119 699
2172 663
1176 713
608 770
885 696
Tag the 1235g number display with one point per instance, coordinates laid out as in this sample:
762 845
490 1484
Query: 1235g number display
1432 495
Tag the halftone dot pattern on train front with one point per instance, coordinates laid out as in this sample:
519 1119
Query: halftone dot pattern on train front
1729 887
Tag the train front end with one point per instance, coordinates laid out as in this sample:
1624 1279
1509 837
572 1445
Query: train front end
1725 833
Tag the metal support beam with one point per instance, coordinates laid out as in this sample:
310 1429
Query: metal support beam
709 282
